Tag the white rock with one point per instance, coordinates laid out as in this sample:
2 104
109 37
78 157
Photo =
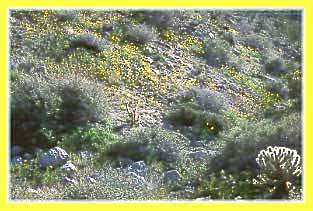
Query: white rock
138 167
68 180
91 179
54 157
17 160
69 168
85 154
211 35
30 190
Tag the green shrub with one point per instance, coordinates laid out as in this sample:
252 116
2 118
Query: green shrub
205 99
28 109
88 41
216 53
198 114
56 103
140 34
66 15
295 91
243 143
257 41
162 19
93 137
225 186
277 87
276 66
150 145
230 38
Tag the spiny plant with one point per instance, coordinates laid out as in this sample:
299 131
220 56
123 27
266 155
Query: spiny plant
279 167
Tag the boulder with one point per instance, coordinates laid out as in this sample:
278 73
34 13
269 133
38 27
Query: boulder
54 157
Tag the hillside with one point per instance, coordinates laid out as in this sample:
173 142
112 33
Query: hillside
156 105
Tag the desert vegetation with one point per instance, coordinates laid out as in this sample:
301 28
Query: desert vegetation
155 105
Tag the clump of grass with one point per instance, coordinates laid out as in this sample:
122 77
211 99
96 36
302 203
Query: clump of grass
257 41
66 15
89 42
230 38
216 53
276 66
140 34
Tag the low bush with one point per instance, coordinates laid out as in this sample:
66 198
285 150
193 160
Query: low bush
244 143
226 186
277 87
150 145
88 41
276 66
216 53
230 38
140 34
162 19
198 114
257 41
56 103
93 138
66 15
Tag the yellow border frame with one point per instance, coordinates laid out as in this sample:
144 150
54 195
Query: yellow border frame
307 5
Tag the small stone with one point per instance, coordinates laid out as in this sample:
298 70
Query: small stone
91 179
138 167
16 150
68 180
85 154
54 157
30 190
149 59
17 160
211 35
202 199
69 168
172 176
